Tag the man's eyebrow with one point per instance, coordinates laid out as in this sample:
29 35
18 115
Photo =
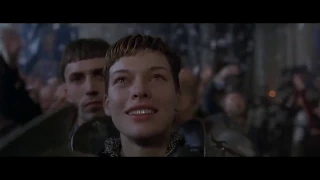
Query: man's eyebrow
96 70
91 70
75 73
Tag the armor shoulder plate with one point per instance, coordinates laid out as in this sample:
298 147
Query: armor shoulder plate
220 149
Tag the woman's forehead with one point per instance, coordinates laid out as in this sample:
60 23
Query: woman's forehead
145 61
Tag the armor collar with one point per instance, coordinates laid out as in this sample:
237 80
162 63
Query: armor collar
112 146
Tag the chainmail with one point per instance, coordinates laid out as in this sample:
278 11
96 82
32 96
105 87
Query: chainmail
112 146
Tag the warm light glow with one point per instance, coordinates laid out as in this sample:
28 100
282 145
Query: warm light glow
272 93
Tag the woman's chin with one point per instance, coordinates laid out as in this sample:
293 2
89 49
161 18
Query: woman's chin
142 134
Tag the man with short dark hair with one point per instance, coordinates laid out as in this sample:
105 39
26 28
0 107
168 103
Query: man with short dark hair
82 71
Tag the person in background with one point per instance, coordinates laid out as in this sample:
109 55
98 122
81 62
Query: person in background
188 101
46 97
47 93
60 92
46 64
59 97
15 103
33 86
12 45
306 131
82 73
187 122
213 92
205 76
230 125
53 82
233 115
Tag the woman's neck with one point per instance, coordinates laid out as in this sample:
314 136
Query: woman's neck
153 147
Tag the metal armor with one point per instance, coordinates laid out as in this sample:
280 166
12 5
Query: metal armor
89 137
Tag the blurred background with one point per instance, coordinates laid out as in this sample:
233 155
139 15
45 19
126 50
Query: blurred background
261 49
268 56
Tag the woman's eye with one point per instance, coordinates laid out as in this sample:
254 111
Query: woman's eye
120 80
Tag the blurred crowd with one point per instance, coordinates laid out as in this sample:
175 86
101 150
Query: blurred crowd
280 122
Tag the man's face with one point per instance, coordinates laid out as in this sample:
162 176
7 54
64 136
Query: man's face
85 87
141 95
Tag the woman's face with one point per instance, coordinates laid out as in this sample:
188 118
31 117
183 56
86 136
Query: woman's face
141 95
